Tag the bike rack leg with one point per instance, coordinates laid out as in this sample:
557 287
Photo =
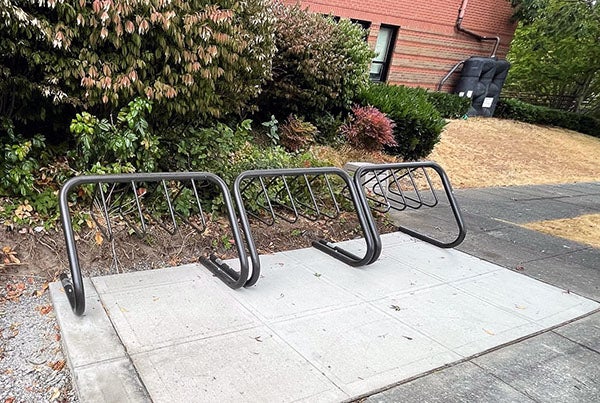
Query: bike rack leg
73 285
409 167
364 217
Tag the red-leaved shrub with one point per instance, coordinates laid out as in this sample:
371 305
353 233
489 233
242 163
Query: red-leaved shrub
369 128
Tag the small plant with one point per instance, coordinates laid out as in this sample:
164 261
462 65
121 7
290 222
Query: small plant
418 123
124 146
19 160
296 134
369 128
272 127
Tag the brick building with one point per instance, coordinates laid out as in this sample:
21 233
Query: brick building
418 42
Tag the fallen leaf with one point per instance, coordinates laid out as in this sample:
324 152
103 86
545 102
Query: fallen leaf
58 365
98 238
46 309
520 307
489 332
55 394
9 400
519 268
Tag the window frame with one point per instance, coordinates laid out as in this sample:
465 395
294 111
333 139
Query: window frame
387 61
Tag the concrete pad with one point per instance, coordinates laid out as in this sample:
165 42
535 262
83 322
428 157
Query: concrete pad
109 382
101 368
462 323
541 303
360 348
443 264
79 332
250 366
582 280
312 329
543 368
176 310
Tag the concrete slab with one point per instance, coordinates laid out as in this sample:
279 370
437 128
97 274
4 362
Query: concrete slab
573 277
585 332
460 322
360 348
461 383
176 310
523 296
543 369
312 329
98 361
250 366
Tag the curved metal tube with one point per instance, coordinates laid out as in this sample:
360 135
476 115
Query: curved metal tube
73 286
364 216
375 168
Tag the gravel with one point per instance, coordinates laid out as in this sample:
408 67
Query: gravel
32 364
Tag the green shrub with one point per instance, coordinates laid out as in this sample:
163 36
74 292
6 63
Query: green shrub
124 146
328 126
194 59
19 160
450 106
320 64
509 108
418 123
369 128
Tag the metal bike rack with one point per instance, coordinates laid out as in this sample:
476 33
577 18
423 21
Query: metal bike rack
140 195
288 194
404 186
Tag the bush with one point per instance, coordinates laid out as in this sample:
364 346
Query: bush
450 106
125 146
518 110
320 64
328 126
194 59
296 134
418 123
369 129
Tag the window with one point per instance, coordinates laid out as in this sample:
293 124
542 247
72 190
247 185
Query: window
384 48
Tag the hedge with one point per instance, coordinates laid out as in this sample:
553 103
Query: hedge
510 108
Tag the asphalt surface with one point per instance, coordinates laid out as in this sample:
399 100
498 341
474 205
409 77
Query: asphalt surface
558 365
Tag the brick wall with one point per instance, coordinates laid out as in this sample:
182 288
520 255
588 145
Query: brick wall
428 45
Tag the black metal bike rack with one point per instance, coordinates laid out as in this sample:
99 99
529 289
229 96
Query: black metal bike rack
138 195
407 185
288 194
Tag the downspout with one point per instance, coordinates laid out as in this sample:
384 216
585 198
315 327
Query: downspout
461 15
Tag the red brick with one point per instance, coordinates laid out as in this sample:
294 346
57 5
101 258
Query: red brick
428 44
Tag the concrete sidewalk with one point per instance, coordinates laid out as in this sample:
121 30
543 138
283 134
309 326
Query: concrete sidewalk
314 329
559 365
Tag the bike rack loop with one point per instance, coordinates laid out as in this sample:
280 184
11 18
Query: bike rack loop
74 288
399 200
365 219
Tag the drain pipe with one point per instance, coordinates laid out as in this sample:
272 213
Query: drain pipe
461 15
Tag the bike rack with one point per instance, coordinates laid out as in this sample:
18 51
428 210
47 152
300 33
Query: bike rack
289 194
140 195
404 186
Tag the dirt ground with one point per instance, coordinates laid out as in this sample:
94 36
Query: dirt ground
474 152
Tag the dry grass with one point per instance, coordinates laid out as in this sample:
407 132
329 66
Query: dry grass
584 229
481 152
